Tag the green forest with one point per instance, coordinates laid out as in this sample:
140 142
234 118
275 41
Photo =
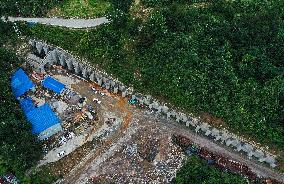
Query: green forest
223 58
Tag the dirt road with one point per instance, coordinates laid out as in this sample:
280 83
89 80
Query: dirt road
113 103
130 115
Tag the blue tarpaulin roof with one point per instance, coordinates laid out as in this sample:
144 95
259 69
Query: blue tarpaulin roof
53 84
20 83
27 105
42 118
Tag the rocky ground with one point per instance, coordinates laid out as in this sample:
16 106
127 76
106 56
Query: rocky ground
130 144
141 151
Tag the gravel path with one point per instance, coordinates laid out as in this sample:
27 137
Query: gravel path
70 23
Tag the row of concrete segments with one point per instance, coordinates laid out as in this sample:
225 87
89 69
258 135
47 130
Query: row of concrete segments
61 57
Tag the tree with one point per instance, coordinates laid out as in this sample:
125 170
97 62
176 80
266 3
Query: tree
196 171
20 149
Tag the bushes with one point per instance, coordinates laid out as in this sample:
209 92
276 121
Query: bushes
196 171
8 33
124 6
82 9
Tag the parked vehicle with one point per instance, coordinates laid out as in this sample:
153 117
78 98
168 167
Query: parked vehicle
97 101
61 153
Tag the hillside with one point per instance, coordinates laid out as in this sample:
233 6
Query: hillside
223 60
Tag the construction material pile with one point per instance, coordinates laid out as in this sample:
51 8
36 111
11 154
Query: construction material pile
148 157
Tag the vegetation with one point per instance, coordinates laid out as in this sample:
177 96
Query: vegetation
15 131
26 8
59 8
79 8
224 58
19 148
196 171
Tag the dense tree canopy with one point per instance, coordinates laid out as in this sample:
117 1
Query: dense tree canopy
26 8
224 58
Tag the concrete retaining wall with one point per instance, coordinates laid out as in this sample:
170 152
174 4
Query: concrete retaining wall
61 57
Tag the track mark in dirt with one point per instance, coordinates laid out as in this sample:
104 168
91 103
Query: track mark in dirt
121 105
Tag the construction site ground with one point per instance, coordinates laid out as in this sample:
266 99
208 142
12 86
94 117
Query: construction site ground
130 144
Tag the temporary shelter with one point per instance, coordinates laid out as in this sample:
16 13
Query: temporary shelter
44 121
52 84
20 83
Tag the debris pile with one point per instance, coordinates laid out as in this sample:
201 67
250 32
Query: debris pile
148 149
145 158
217 160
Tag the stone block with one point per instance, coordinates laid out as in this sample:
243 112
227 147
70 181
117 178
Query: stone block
123 94
105 79
92 77
49 58
178 118
112 83
258 154
77 67
215 132
39 47
115 90
204 127
69 63
165 109
54 56
84 73
208 132
45 49
133 97
247 148
32 43
121 87
100 81
107 85
224 136
197 128
62 60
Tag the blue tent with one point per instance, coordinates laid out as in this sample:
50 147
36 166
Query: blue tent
27 105
53 85
42 118
20 83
